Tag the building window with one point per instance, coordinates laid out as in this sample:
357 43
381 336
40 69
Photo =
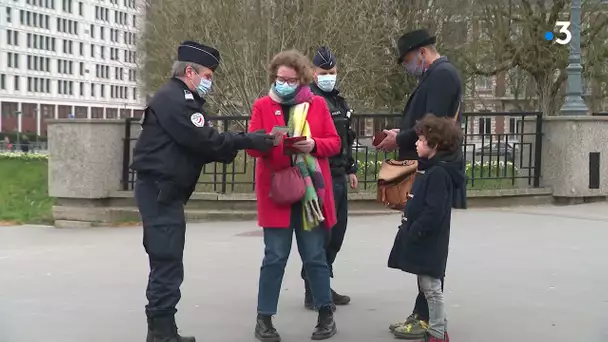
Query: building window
39 85
515 127
81 89
16 82
13 60
12 37
80 9
485 125
92 90
92 50
102 34
103 91
2 81
81 69
8 15
92 31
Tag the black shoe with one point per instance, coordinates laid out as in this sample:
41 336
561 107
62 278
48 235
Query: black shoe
265 331
164 329
339 299
326 326
308 302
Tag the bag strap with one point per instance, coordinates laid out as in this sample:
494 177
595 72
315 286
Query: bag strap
457 111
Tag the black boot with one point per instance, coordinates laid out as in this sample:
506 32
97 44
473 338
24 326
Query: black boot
265 331
164 329
308 301
326 326
339 299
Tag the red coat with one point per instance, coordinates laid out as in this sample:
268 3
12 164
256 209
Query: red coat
266 114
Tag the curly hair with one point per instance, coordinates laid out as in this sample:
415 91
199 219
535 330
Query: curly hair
293 59
441 133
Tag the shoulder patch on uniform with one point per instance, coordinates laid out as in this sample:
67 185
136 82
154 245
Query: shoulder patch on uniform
188 95
197 119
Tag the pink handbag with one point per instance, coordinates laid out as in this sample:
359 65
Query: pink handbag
286 185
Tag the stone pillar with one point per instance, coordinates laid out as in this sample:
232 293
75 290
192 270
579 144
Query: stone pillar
571 147
85 167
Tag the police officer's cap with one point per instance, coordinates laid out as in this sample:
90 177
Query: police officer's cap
324 59
200 54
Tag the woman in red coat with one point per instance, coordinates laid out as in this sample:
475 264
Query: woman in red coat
290 103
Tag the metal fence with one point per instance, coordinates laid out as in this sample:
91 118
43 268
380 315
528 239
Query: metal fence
502 150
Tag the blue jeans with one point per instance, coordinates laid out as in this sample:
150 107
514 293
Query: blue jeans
311 245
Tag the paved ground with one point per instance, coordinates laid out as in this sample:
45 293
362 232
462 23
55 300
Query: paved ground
527 274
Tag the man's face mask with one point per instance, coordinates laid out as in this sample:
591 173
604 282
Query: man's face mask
416 66
326 82
204 85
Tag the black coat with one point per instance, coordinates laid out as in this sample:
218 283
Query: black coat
439 92
176 140
421 244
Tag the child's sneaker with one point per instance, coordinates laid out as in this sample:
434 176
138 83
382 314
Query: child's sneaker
430 338
411 319
415 330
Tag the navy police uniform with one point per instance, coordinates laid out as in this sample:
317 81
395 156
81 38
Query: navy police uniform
341 164
175 143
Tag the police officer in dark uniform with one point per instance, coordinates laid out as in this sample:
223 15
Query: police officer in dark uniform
343 166
175 143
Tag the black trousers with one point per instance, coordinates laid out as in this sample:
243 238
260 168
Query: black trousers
421 308
336 233
164 222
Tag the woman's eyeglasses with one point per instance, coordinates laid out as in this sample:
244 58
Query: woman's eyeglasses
288 80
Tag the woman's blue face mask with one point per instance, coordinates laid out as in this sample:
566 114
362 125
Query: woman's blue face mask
284 88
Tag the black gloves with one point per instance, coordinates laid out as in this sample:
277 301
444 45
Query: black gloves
258 140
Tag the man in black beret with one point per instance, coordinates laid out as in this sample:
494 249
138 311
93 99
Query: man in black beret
439 91
343 166
175 143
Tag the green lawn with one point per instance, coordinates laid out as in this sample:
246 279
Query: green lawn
24 191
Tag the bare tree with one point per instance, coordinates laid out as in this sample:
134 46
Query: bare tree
509 34
249 32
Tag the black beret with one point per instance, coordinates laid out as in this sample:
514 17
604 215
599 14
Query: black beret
200 54
324 59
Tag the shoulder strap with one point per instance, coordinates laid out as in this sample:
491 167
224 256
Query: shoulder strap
457 112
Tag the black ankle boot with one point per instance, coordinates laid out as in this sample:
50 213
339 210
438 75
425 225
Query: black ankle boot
164 329
339 299
326 326
265 331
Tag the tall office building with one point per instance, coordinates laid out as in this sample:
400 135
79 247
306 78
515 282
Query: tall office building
67 58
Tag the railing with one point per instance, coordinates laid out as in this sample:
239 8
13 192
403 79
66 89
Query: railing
502 150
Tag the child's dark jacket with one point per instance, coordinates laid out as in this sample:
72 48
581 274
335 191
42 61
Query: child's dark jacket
421 245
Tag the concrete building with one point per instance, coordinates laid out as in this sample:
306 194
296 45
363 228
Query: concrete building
67 58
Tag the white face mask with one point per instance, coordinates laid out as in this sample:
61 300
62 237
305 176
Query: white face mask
326 82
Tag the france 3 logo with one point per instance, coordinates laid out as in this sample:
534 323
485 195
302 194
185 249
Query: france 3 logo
564 29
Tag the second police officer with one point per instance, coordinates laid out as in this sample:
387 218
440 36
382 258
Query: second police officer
343 166
175 143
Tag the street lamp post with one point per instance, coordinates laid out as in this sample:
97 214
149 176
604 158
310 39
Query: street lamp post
574 103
